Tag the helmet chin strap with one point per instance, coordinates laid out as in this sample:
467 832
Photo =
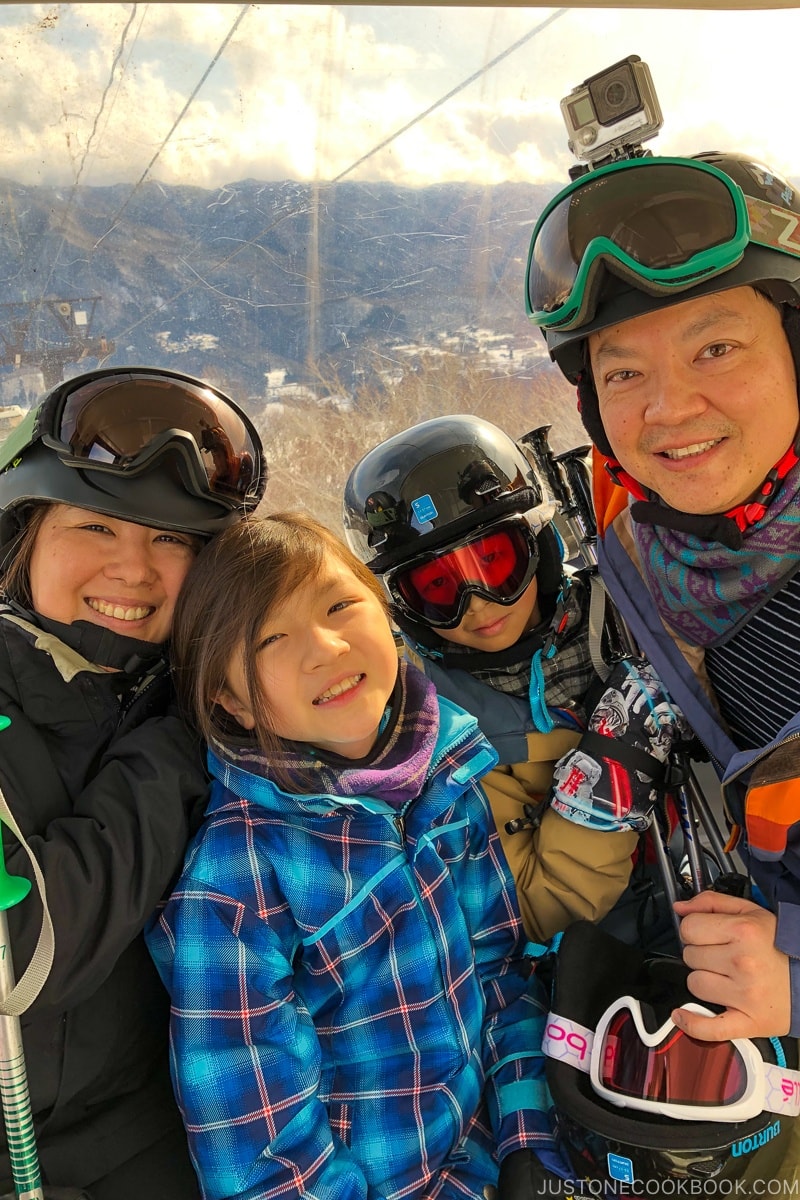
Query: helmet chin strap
727 528
101 646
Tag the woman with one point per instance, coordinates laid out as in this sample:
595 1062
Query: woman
107 491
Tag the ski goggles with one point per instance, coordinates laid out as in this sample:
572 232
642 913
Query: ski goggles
669 1073
662 224
123 422
497 564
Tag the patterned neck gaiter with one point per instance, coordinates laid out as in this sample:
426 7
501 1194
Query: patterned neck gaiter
395 770
704 590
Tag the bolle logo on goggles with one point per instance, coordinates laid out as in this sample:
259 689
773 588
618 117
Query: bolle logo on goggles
749 1144
568 1041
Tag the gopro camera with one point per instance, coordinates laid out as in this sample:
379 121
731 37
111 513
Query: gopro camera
611 113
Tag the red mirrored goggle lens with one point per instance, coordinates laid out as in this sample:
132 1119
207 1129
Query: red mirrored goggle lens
679 1070
108 423
500 564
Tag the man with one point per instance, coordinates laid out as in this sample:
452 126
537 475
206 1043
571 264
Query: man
668 291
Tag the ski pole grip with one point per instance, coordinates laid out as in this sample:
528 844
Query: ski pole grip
13 889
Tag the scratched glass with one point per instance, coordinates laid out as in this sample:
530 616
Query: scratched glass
341 249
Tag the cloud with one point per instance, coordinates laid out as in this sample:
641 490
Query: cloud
91 91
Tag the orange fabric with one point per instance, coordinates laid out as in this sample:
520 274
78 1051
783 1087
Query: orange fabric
770 811
733 839
650 855
609 498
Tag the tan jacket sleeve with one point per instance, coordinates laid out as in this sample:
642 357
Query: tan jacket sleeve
563 871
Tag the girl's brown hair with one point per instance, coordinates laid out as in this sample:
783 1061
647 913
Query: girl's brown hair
234 584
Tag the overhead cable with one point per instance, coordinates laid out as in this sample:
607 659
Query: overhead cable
453 92
385 142
177 121
68 207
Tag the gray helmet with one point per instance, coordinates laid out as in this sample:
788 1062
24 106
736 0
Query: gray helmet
150 446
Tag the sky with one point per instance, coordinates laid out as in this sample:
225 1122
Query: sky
209 94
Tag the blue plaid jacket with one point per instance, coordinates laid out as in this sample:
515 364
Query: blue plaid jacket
351 1012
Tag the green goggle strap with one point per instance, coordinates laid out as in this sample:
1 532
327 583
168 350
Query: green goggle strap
658 280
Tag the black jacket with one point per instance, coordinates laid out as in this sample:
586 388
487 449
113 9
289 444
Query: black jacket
103 788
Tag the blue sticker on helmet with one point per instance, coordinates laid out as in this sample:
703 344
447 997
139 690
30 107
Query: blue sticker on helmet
620 1168
424 509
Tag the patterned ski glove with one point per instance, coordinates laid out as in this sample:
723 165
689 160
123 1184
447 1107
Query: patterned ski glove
610 780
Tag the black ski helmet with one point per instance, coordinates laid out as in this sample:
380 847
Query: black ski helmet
771 270
593 970
146 445
437 483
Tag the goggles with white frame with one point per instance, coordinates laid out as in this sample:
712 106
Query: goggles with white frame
667 1072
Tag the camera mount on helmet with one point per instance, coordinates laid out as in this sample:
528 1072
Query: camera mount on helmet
611 113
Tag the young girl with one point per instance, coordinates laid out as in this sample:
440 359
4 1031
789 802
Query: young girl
351 1011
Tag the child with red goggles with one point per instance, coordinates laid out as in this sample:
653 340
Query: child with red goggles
454 519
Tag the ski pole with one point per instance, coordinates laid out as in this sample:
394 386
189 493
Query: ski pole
13 1076
697 872
566 478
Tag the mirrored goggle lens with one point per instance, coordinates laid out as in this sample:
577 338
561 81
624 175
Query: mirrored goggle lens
660 215
679 1070
500 563
109 422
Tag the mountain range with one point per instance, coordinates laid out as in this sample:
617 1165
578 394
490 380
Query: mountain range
263 276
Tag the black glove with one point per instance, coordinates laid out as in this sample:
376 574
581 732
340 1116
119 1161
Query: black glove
522 1177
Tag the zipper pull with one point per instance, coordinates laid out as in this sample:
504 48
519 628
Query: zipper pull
532 819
